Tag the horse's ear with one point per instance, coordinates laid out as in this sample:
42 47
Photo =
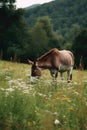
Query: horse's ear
30 62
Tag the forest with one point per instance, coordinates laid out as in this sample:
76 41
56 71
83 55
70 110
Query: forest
63 13
30 32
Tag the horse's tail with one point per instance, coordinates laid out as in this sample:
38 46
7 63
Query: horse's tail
72 55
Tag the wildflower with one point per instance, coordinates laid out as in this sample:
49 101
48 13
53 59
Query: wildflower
29 123
34 122
76 83
60 93
57 98
37 113
42 95
55 113
64 116
2 89
86 104
10 89
70 108
26 91
56 122
65 99
76 93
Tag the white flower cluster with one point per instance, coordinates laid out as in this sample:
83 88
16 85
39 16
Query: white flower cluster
17 84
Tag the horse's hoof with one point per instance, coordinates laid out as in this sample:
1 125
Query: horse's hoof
68 81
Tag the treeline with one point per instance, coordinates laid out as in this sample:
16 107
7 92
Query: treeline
63 13
19 41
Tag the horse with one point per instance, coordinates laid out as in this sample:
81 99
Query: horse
55 61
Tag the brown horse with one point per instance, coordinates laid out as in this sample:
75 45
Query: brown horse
55 61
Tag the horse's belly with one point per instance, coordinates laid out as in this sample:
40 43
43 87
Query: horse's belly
63 68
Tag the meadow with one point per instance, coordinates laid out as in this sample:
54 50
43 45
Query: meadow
45 105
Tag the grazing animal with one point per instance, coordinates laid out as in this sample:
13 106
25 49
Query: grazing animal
55 61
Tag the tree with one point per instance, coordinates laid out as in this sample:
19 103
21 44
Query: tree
79 47
43 38
39 40
48 28
17 38
7 9
13 31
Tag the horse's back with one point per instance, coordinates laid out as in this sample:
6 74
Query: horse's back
66 57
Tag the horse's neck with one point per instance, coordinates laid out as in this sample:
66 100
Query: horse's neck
43 63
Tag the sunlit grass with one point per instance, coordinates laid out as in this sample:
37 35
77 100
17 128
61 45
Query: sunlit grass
42 106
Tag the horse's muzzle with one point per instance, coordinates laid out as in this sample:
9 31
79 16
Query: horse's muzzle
34 79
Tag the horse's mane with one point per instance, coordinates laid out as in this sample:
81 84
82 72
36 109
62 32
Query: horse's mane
48 53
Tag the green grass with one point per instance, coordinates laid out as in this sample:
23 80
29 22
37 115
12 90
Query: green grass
26 106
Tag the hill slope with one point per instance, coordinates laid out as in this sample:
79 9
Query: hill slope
32 6
63 13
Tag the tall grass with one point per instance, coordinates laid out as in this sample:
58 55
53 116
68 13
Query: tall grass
42 106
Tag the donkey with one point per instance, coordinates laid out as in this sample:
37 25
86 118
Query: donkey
55 61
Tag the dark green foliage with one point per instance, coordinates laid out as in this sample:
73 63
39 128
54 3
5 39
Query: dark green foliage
63 13
13 32
42 39
80 47
6 13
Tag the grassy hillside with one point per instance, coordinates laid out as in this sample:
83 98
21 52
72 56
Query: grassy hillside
44 105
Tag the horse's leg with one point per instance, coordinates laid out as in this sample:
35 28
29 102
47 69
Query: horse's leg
61 74
54 74
69 74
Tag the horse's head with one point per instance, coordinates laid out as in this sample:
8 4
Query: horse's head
35 71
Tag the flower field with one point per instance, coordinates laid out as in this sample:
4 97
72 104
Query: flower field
45 105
